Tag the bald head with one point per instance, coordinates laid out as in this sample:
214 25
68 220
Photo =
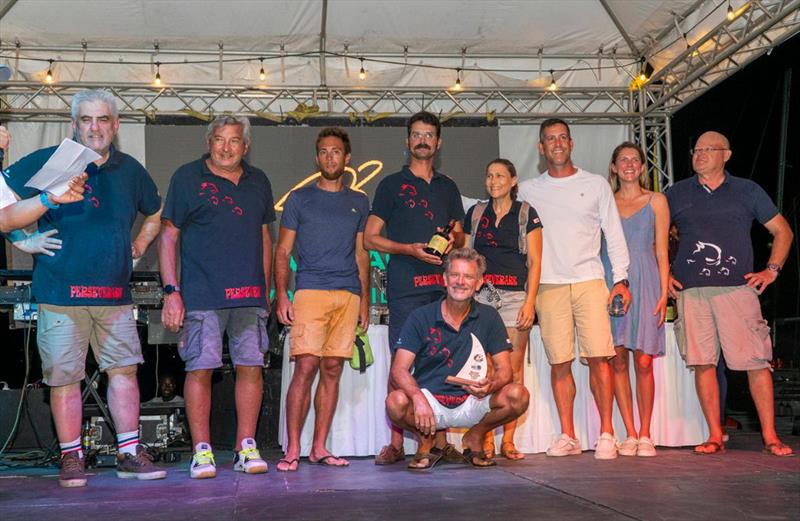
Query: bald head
715 137
711 151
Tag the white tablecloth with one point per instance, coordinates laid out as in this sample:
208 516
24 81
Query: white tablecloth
360 427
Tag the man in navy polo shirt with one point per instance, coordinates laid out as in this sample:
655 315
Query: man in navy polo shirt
324 223
83 290
219 207
716 287
413 204
437 341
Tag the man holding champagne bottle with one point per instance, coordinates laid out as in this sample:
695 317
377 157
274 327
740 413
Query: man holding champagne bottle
414 204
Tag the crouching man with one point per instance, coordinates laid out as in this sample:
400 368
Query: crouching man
437 341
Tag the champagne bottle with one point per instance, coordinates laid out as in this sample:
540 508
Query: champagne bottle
440 240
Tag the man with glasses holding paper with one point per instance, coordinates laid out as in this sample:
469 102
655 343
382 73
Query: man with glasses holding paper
83 290
716 288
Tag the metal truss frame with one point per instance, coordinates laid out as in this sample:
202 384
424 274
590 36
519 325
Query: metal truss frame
758 26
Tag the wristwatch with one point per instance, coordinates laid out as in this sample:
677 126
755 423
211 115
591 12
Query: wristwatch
774 267
169 289
624 282
43 198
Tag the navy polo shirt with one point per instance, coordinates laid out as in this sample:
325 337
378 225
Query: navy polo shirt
326 224
714 229
506 267
441 351
412 210
222 264
94 265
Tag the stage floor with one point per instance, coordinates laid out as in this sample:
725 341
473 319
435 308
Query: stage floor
741 484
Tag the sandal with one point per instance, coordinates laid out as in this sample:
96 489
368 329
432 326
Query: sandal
509 451
450 454
289 463
325 461
718 448
488 445
433 458
478 459
389 455
777 445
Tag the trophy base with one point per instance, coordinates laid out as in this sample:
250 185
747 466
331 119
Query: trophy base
460 381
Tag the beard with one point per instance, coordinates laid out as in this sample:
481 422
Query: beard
331 176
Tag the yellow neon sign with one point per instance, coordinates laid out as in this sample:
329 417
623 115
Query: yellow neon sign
355 183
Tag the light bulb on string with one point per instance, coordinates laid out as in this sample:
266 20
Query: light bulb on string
457 86
49 76
262 75
643 72
731 14
362 74
157 79
553 85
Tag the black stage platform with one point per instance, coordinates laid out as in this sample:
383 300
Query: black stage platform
741 484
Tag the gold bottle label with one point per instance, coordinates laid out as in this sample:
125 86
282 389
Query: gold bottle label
438 244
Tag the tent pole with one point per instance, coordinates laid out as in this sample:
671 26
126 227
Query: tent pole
322 35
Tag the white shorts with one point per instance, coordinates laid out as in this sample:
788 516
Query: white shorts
467 414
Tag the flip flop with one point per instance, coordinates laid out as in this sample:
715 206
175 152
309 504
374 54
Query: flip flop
324 461
719 448
471 456
770 450
289 463
433 458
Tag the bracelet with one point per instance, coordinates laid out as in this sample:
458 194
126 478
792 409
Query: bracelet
46 201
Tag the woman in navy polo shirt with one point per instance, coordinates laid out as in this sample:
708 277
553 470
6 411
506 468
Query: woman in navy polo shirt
513 267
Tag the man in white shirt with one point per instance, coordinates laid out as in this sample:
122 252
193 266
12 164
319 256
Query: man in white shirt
575 207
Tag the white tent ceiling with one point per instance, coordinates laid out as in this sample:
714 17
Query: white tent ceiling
506 53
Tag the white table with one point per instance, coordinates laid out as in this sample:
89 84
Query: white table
360 427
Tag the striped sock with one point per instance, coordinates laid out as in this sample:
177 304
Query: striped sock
72 446
127 442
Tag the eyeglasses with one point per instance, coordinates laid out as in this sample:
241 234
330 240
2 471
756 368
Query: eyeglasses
705 150
420 135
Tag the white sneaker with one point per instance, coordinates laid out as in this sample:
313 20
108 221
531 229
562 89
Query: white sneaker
646 447
628 447
606 447
203 465
564 446
249 460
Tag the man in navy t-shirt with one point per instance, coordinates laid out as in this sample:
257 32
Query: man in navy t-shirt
716 287
324 223
219 207
413 204
437 341
83 290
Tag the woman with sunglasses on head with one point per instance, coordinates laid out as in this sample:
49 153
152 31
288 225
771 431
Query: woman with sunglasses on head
645 221
508 233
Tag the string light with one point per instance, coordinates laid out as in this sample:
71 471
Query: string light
553 85
362 74
49 77
643 72
457 86
262 75
731 14
157 79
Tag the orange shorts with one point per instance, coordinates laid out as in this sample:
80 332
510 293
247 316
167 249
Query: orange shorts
324 323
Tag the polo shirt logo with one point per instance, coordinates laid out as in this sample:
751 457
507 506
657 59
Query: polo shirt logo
711 256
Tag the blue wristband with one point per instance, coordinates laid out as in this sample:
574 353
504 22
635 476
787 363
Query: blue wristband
46 202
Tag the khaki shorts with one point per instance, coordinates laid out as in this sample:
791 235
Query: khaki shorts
469 413
510 303
324 323
727 318
200 344
64 334
563 308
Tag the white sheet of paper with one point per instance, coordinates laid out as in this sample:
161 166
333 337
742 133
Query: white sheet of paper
70 159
